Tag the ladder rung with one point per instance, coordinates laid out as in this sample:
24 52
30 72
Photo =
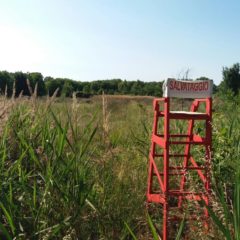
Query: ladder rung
188 142
182 193
187 168
171 155
175 135
187 115
160 140
181 170
173 174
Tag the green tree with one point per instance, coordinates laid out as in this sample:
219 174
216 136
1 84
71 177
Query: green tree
3 82
153 88
95 87
21 83
86 88
52 85
137 88
37 78
231 78
67 90
203 78
6 82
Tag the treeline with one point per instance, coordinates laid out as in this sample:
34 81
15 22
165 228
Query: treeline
23 83
113 86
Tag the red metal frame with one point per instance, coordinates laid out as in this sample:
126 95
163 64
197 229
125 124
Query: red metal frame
164 141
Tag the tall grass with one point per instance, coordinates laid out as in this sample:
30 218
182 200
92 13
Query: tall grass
45 173
77 169
229 223
225 212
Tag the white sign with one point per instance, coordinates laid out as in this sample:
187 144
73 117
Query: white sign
187 89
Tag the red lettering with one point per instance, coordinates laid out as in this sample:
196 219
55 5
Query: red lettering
206 85
189 86
192 87
196 86
182 85
176 85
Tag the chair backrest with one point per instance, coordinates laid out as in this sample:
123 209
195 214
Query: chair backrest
187 89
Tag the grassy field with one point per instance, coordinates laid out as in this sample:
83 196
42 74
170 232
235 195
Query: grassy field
77 169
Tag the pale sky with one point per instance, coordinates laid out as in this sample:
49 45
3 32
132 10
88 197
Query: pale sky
128 39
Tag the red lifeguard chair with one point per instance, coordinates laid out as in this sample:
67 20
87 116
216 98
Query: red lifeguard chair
172 157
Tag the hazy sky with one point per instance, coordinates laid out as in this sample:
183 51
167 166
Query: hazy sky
129 39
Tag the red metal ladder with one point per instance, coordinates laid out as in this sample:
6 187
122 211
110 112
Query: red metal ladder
160 167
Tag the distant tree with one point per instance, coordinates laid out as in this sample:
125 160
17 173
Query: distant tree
231 78
79 87
203 79
3 82
75 85
86 88
37 78
21 83
137 88
95 86
52 85
121 86
6 82
158 88
67 89
47 79
153 88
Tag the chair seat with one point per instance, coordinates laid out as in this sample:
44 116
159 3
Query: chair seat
186 115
